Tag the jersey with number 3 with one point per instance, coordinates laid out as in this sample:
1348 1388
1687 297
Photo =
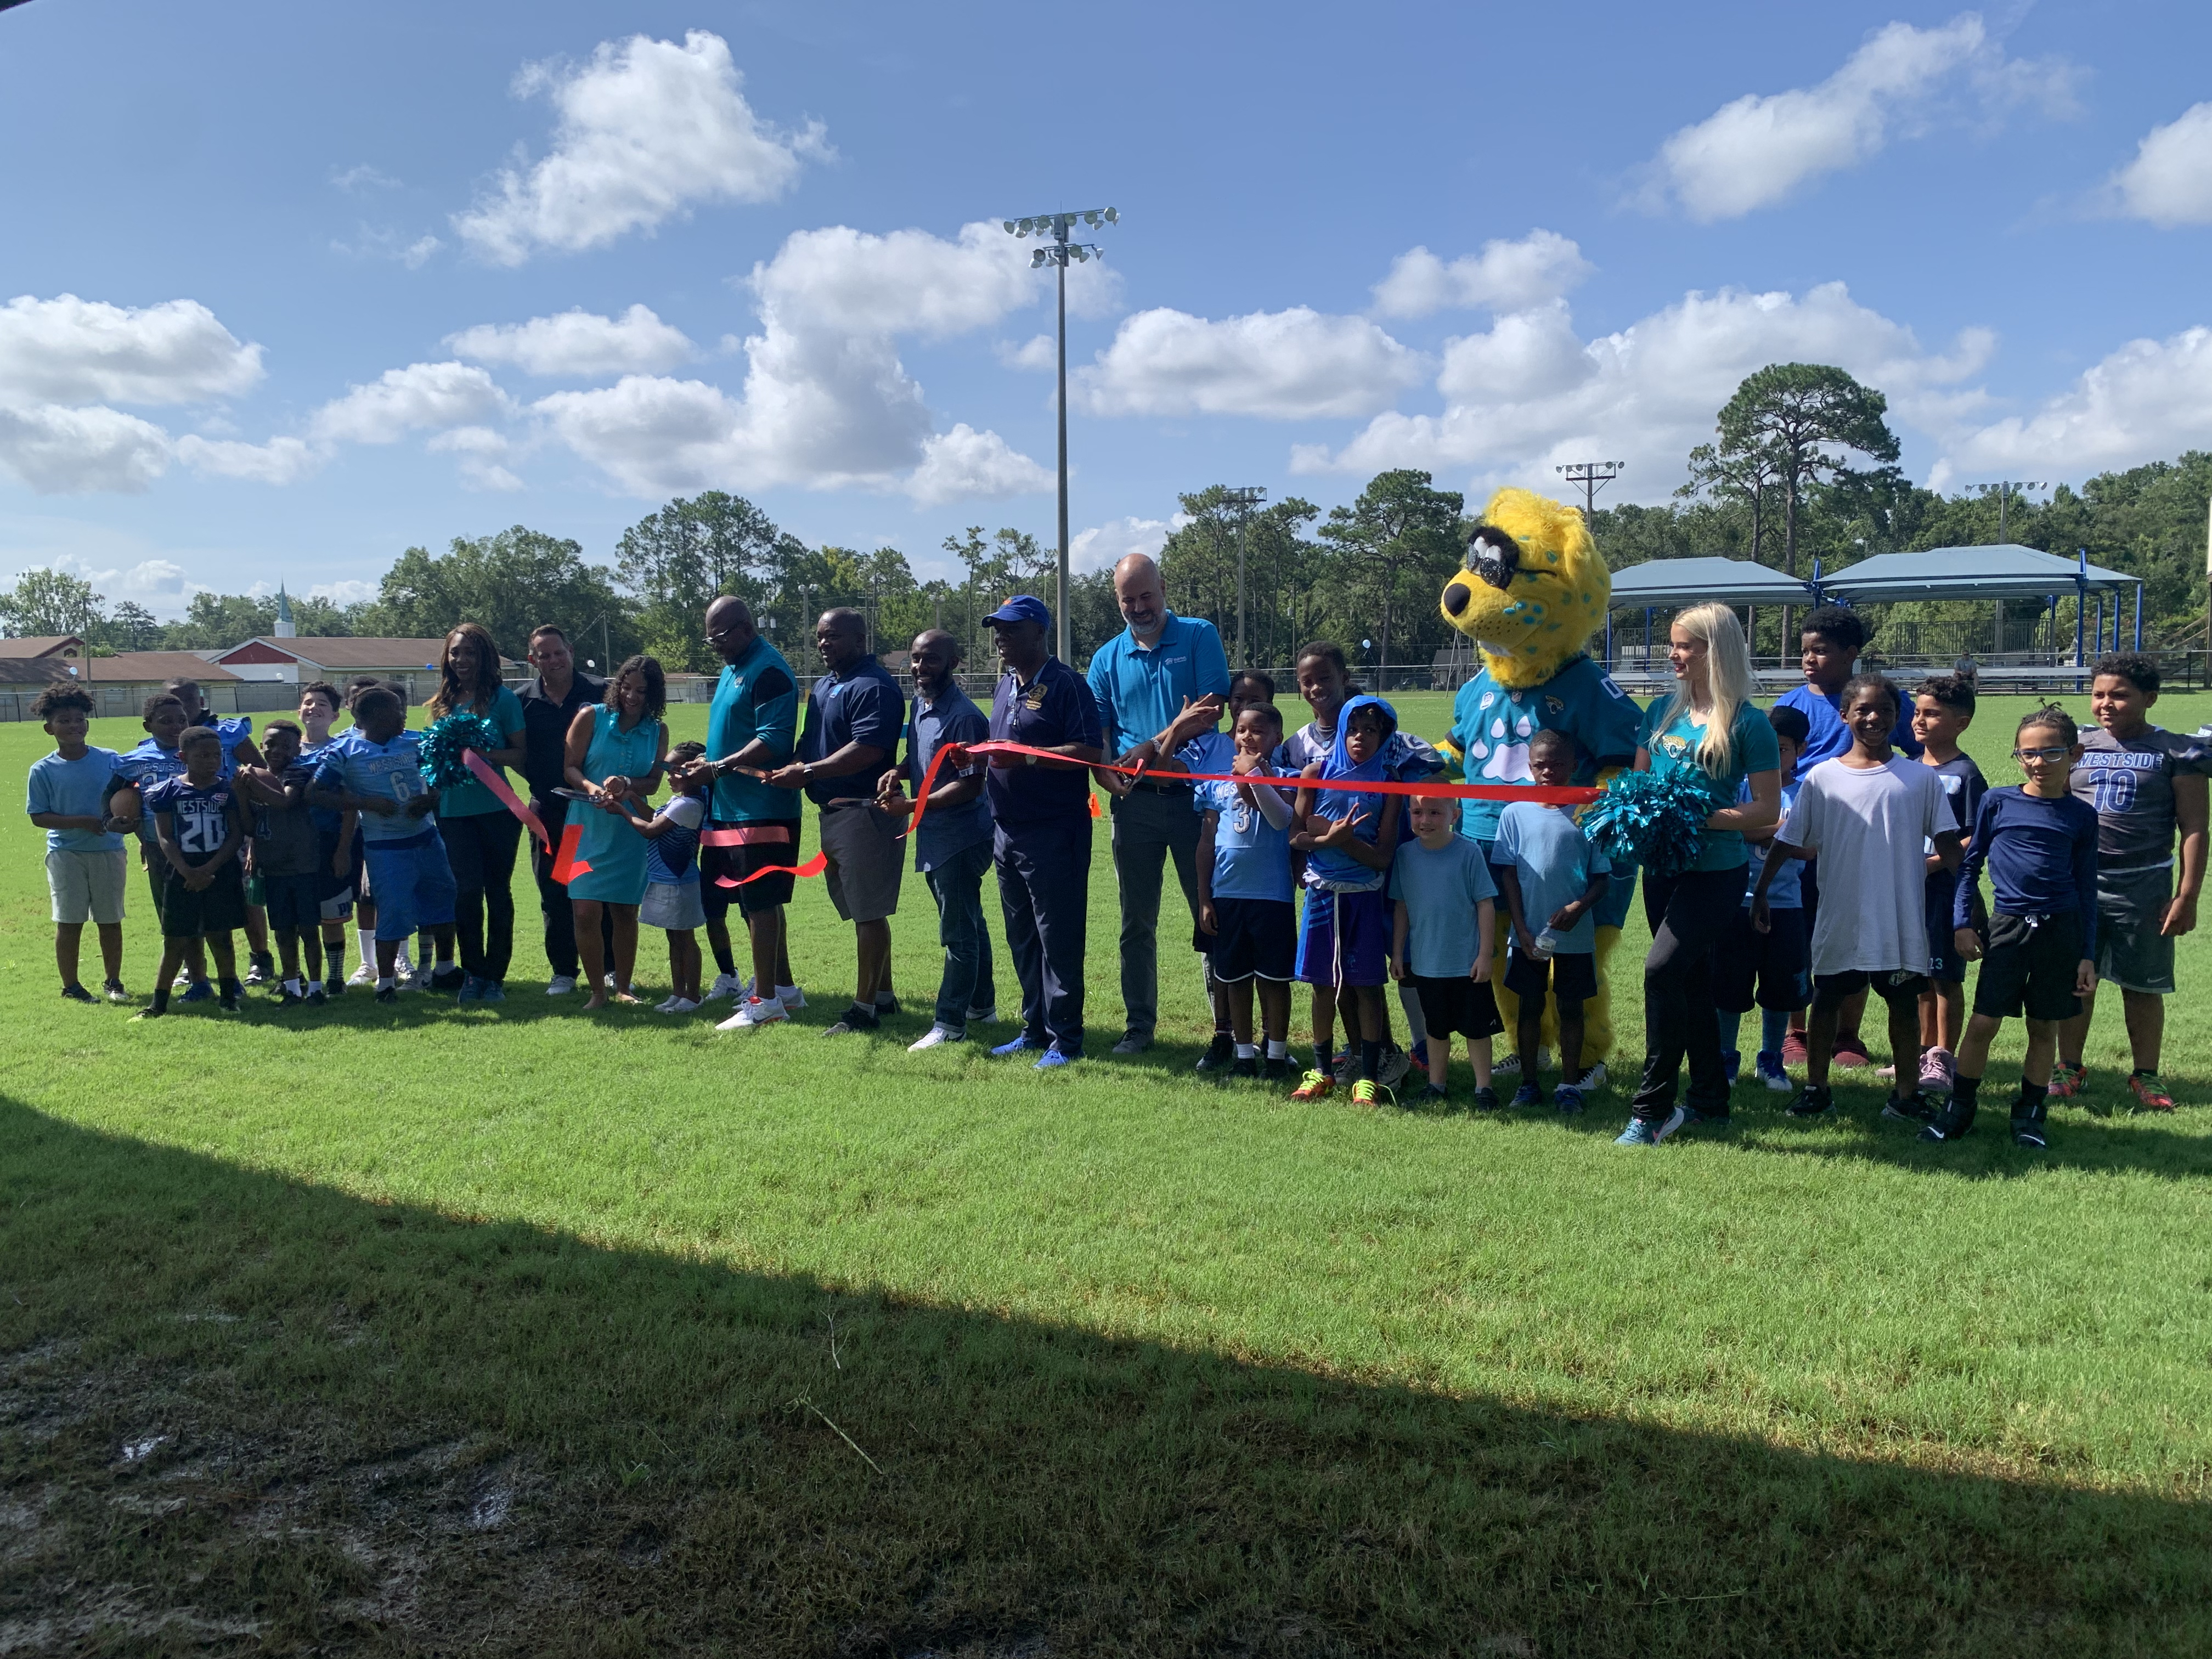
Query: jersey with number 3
2131 785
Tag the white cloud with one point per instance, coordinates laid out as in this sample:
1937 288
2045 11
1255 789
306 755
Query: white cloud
578 343
154 578
1103 546
68 350
1281 365
279 461
421 396
826 404
362 177
1528 393
481 449
1505 276
345 593
383 242
646 129
1753 153
59 450
1039 353
2148 400
2170 181
964 463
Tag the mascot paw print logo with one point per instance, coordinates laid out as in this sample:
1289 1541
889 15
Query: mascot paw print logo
1532 588
1501 754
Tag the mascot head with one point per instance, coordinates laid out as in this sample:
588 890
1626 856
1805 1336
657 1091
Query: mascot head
1533 589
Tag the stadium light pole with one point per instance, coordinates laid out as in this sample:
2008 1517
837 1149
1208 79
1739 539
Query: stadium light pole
1592 476
1056 253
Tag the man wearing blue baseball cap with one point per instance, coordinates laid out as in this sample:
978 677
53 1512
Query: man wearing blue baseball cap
1042 839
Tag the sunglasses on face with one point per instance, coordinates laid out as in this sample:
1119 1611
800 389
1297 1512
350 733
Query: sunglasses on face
2051 755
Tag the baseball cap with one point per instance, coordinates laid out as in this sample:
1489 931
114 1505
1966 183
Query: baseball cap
1020 609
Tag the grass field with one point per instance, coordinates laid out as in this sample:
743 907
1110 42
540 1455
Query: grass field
515 1331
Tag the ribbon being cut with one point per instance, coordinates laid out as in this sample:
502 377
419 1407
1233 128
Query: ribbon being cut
448 754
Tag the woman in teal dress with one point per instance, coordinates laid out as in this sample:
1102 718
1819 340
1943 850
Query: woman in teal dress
616 752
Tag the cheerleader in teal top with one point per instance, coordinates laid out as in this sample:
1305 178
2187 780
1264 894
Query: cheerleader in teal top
616 752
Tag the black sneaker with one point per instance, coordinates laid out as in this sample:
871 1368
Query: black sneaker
114 992
1245 1066
230 1002
1814 1100
1909 1108
286 998
887 1010
1486 1099
854 1018
260 969
316 999
76 992
1218 1052
1432 1096
1274 1070
2028 1132
335 986
1950 1124
387 994
447 979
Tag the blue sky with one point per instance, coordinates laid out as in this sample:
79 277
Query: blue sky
285 290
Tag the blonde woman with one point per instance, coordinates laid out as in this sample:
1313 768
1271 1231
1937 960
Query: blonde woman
1707 721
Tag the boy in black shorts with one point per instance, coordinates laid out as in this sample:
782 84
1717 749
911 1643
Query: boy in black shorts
287 850
1246 918
1443 922
2146 786
2040 845
201 828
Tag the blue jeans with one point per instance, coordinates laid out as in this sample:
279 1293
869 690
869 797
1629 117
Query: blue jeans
957 885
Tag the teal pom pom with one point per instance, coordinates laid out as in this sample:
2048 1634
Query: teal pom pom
440 750
1654 819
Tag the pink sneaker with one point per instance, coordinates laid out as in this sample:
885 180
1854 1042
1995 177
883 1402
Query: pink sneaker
1935 1068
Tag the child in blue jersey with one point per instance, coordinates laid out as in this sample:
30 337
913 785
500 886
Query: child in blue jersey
1245 910
1442 934
137 770
1349 837
672 900
199 824
1765 969
67 798
374 770
2038 958
1942 709
1553 879
236 736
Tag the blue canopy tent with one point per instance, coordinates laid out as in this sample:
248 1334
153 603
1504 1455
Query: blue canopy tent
2004 572
1671 584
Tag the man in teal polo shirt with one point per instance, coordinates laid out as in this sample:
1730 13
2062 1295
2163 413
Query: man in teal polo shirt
752 727
1143 679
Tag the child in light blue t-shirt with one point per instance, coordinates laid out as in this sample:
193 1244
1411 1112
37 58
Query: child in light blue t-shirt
67 798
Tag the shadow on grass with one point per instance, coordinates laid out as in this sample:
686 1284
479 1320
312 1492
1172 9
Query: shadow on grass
245 1413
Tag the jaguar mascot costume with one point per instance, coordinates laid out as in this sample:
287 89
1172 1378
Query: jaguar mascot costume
1532 593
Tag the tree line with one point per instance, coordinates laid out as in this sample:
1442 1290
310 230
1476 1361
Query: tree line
1802 465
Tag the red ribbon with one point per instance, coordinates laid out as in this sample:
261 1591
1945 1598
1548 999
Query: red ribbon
489 776
1542 794
813 866
565 867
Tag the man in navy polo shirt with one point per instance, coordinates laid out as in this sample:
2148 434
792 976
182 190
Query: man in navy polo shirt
1143 678
1040 843
853 720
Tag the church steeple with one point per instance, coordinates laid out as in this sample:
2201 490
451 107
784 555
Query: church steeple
284 629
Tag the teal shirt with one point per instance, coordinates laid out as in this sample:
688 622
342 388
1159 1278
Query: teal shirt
471 800
1675 746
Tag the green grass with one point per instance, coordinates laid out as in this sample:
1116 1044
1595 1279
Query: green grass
521 1331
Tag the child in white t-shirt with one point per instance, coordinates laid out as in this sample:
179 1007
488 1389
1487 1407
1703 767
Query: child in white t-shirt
673 901
1867 816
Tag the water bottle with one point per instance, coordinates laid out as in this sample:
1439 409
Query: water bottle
1547 944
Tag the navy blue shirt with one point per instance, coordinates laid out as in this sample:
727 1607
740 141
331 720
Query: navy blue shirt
945 830
1052 711
862 705
2042 858
1139 691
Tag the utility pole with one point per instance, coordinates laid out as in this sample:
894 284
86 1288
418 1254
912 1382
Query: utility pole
1244 499
1056 253
1592 476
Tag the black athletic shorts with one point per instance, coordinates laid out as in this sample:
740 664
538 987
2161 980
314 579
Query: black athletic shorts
2029 968
1752 969
1253 936
218 908
1895 986
1462 1005
739 861
1572 976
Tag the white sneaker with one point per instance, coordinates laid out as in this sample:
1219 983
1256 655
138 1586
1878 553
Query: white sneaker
678 1006
362 976
932 1038
1593 1079
562 985
988 1016
790 996
727 985
666 1005
754 1010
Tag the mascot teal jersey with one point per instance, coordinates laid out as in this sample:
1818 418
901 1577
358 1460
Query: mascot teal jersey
1491 725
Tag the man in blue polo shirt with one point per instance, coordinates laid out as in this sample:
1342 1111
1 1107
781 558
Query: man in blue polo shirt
853 721
1042 839
1143 679
751 729
952 848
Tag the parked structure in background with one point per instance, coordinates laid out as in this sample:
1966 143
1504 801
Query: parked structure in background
293 660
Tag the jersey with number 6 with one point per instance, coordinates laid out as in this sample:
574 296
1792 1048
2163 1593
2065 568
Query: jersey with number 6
2131 785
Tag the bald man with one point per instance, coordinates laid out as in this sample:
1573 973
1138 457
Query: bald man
1152 681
